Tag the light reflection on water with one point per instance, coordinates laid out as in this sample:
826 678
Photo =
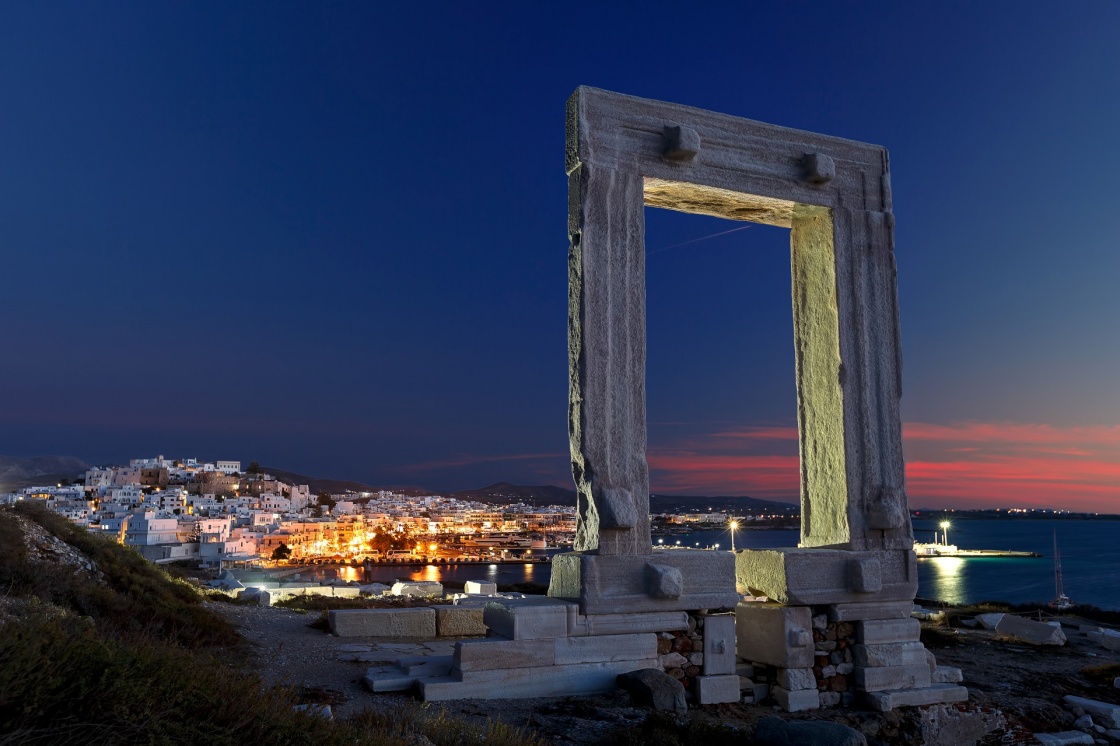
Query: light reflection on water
1090 562
947 579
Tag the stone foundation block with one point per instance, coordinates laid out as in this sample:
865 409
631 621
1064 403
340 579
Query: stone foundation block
713 690
459 621
879 631
892 677
937 694
775 634
856 612
528 618
480 588
549 681
605 649
795 679
624 624
890 654
666 580
719 645
491 654
383 622
806 577
796 701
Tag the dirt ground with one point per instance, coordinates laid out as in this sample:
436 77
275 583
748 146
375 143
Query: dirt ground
1025 683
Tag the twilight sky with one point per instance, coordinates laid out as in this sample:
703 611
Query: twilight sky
331 237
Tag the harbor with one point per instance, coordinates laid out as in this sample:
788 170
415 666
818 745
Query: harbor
940 547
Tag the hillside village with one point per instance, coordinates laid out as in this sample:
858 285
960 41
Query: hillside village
219 513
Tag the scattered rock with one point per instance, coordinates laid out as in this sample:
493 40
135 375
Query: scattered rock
989 621
1064 738
1031 632
320 710
1108 713
773 731
655 688
1084 723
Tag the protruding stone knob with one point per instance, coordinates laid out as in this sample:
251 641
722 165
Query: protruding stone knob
681 143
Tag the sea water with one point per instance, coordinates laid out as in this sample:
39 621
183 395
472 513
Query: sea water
1090 553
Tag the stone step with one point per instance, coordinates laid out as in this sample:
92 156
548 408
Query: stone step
432 665
389 681
544 681
936 694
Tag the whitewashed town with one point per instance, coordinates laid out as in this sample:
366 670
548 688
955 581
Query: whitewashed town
223 516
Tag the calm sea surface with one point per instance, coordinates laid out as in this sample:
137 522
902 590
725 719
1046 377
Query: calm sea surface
1090 561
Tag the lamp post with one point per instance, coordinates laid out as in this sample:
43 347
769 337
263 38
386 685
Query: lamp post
945 527
734 525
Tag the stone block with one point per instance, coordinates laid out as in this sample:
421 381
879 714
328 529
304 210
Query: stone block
624 624
796 701
667 580
713 690
479 587
989 621
527 618
1065 738
1029 631
571 650
879 631
1107 714
492 654
794 679
885 701
947 675
719 645
549 681
889 654
856 612
421 588
892 677
459 621
827 576
759 692
1110 639
383 622
774 634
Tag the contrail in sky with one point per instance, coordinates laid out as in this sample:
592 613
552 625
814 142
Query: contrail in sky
694 240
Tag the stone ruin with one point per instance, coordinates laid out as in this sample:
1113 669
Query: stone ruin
825 623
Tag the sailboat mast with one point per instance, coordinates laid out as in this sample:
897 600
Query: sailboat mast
1057 566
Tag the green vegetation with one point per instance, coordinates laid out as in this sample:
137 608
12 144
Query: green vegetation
128 654
1102 673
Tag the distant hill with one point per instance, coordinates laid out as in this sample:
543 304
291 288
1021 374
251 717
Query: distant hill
504 493
20 471
724 503
339 486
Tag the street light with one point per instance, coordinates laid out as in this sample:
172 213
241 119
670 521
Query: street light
734 525
945 527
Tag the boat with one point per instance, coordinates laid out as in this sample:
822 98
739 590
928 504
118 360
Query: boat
1062 602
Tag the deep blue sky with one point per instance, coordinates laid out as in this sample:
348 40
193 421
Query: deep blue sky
331 237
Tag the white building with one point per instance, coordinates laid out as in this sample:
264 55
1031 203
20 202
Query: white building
143 528
228 467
